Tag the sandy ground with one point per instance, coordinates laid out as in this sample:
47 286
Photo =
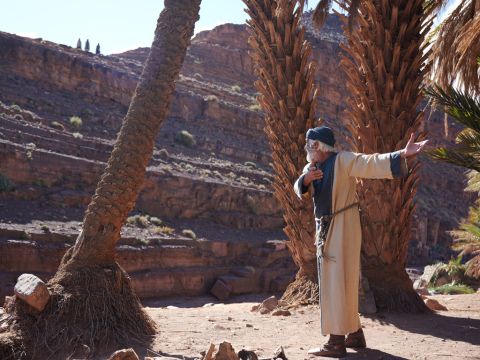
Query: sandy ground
187 326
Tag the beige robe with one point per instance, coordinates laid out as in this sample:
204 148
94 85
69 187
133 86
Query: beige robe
339 278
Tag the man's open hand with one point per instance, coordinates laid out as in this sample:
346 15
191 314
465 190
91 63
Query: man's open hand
412 147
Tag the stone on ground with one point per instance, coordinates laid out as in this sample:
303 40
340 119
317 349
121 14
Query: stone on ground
434 305
32 290
225 352
124 354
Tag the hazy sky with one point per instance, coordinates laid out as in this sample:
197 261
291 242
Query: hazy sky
118 25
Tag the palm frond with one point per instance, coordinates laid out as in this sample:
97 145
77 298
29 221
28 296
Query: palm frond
460 105
455 157
473 184
456 48
321 12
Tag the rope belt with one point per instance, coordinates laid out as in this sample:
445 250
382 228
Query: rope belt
322 232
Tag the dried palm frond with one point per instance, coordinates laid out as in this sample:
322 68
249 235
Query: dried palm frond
325 6
456 48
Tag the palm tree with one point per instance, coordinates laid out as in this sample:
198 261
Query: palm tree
92 304
384 65
281 57
465 109
455 48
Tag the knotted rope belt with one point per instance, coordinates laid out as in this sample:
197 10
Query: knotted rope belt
322 232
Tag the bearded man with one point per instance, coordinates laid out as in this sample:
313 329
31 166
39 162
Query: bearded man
332 175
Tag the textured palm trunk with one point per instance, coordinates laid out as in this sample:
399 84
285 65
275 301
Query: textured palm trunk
384 66
92 305
120 184
287 91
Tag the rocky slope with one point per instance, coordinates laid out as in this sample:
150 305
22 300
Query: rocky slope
49 164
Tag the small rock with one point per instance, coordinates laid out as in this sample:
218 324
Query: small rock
248 325
255 307
281 312
32 290
125 354
208 305
225 352
230 318
218 327
434 305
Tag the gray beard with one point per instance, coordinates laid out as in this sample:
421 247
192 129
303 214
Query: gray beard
312 156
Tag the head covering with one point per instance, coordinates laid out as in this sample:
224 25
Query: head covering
323 134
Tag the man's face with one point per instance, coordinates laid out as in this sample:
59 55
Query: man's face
312 149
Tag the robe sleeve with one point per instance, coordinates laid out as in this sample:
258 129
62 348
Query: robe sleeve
299 188
372 166
398 165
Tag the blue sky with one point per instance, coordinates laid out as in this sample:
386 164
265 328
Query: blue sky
118 25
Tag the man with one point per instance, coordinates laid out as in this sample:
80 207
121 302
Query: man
332 175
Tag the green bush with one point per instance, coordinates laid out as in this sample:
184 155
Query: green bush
453 289
185 138
76 122
5 184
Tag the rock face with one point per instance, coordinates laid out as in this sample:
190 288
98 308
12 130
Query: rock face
224 181
32 290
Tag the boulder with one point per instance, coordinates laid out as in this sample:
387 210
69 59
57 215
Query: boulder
221 290
428 273
268 305
32 290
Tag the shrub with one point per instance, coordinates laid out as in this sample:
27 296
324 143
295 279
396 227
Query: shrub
57 125
45 228
5 184
189 233
76 122
164 230
185 138
211 98
251 164
77 135
155 221
236 88
453 289
138 220
255 107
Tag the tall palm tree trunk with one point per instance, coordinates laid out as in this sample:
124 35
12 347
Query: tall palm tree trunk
385 67
93 305
287 91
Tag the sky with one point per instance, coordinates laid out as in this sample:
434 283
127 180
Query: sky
118 25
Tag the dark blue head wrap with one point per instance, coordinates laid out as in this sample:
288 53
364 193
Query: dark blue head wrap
323 134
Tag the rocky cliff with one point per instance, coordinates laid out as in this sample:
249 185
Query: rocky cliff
49 163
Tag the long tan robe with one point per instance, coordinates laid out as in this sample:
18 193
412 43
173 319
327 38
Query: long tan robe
339 278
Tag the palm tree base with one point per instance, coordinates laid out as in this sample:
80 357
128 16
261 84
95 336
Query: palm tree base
302 291
92 310
393 290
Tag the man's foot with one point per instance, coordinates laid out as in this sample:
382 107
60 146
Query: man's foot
356 340
335 347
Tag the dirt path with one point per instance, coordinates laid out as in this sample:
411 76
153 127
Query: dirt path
187 326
